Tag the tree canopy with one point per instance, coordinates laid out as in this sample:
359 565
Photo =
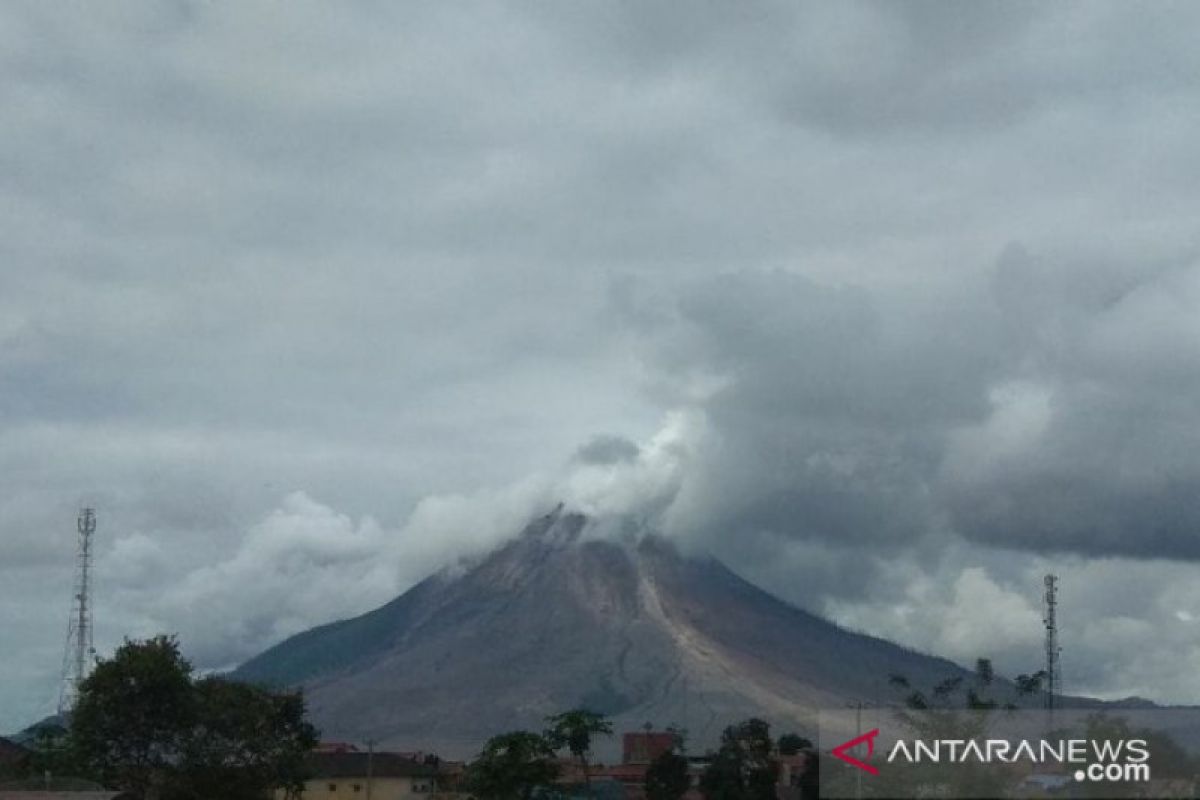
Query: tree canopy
667 777
744 767
512 766
574 730
143 725
792 743
132 715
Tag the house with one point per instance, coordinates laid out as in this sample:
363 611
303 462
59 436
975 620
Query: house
642 748
353 775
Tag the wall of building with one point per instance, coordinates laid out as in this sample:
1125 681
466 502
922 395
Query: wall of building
356 789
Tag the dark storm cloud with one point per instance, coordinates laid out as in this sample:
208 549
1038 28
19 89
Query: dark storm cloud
860 418
912 280
830 419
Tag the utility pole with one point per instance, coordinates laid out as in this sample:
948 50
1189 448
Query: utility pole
685 700
1052 649
370 766
79 650
858 732
858 709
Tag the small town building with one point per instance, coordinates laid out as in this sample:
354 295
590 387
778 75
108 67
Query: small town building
644 747
347 774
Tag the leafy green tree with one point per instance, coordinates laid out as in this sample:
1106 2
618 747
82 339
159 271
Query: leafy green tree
792 743
744 767
985 673
141 724
574 730
51 753
1029 684
512 766
810 779
247 742
133 713
667 777
973 692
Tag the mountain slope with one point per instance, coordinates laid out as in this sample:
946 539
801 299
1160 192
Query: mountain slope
554 620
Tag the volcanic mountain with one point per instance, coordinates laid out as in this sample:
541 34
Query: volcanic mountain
558 619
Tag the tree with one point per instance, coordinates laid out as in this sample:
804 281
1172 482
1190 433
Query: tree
1029 684
51 753
574 730
132 714
512 766
984 671
744 767
247 741
970 692
810 779
667 777
792 743
142 725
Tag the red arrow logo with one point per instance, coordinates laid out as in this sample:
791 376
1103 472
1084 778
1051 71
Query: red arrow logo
869 738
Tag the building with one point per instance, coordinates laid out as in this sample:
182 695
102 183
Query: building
642 748
347 774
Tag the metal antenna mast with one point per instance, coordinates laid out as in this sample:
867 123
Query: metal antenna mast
79 650
1052 648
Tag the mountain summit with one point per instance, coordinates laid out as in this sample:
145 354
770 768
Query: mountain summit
556 619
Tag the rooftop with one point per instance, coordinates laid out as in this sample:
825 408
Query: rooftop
354 765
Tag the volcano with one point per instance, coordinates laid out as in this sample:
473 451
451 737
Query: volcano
559 619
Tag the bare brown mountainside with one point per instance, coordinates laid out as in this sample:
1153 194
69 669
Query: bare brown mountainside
555 620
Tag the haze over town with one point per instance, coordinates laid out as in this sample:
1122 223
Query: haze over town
893 307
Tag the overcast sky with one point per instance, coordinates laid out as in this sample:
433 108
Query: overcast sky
895 307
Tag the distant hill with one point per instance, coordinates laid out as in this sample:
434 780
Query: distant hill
51 724
555 620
